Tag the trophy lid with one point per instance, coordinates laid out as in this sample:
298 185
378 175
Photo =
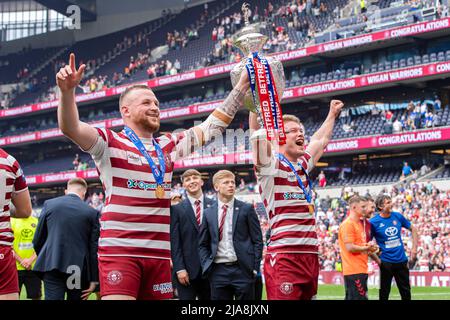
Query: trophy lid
249 39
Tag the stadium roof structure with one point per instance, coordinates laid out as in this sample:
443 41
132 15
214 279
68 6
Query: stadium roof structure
26 5
88 7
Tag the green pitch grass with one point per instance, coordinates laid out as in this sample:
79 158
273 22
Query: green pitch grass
336 292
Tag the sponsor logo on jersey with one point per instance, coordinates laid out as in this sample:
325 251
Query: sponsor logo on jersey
391 231
27 233
291 177
293 196
135 184
133 158
165 287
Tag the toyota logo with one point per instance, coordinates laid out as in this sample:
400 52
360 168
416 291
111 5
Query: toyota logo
391 231
27 233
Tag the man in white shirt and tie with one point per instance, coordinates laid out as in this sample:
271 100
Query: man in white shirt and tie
230 243
185 220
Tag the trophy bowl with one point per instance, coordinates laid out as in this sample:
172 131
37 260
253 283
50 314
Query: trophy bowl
250 40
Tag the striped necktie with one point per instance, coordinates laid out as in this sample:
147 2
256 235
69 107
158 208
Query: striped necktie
198 211
222 220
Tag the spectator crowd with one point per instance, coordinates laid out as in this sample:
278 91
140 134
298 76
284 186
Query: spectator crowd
293 12
423 204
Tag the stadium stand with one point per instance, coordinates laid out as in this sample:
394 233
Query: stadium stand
355 125
105 54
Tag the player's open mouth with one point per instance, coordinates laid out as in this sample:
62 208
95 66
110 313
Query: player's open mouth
299 142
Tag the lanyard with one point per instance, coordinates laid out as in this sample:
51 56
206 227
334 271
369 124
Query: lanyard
364 230
158 174
308 194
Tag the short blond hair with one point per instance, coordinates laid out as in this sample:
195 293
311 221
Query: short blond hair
356 199
79 182
222 174
190 172
130 89
291 117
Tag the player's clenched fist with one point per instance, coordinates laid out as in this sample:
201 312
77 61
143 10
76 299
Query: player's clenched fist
69 77
336 106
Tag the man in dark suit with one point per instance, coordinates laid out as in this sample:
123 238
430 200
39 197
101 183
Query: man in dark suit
230 243
66 241
185 220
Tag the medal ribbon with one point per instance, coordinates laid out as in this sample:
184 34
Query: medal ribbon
308 194
157 173
262 85
276 109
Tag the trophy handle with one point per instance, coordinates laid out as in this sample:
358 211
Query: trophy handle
259 117
245 12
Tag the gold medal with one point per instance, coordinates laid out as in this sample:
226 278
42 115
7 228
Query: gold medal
311 208
159 191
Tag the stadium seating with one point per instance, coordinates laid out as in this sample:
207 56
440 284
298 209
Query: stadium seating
159 38
380 15
370 178
445 174
364 124
109 60
99 49
55 164
339 73
11 64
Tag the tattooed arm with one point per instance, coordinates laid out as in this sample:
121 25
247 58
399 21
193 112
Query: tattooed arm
216 123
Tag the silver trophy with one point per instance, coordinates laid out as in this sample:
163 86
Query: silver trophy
250 40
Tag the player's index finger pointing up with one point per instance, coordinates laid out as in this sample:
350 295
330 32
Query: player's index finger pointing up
72 62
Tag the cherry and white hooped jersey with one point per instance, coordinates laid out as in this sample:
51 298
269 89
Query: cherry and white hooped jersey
12 181
293 226
134 221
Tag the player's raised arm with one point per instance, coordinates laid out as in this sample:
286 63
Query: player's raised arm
217 121
322 137
67 79
261 147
